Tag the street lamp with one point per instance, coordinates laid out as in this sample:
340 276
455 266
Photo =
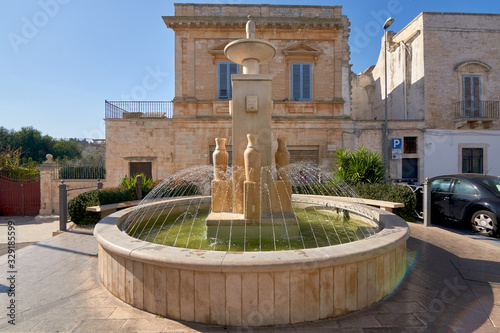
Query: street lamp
387 24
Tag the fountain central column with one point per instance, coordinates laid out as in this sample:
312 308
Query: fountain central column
254 195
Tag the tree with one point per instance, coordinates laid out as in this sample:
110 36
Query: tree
66 149
35 146
362 166
11 165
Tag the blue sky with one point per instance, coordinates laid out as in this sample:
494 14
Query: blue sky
60 59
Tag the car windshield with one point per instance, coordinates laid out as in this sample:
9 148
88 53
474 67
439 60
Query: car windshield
493 183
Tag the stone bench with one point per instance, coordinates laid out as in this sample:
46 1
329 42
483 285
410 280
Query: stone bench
106 210
384 205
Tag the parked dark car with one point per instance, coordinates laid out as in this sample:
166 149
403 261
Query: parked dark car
467 198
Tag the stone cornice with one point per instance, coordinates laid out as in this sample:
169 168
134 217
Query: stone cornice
230 22
336 100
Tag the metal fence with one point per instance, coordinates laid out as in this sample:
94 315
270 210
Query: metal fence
138 109
74 169
480 110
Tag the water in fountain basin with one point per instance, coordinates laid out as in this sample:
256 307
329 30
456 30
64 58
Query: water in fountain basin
183 225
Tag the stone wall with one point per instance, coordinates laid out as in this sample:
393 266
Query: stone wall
139 140
458 44
176 144
454 45
200 38
405 79
49 187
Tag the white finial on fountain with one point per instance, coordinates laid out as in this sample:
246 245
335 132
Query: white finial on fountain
250 27
250 52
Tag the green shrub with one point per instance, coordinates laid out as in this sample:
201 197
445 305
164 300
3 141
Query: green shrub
114 195
380 191
78 205
13 166
77 208
362 166
82 172
129 183
389 192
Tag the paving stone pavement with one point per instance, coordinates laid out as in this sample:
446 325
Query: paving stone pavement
453 285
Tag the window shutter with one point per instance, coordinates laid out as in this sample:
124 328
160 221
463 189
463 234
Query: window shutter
476 94
225 71
223 82
472 95
296 82
301 82
306 81
233 69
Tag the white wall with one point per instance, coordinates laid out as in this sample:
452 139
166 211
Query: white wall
443 150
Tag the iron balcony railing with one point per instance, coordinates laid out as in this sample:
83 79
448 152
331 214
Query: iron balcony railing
138 109
477 110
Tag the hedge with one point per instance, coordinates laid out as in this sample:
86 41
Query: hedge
390 192
379 191
78 205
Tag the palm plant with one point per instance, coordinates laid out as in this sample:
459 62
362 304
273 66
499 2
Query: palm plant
362 166
129 183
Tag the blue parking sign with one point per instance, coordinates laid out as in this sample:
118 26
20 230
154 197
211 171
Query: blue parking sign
397 143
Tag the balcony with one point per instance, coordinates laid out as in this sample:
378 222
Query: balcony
138 109
481 115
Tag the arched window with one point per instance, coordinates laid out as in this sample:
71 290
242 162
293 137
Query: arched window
472 77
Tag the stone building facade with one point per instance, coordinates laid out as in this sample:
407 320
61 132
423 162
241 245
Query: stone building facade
443 96
310 89
443 92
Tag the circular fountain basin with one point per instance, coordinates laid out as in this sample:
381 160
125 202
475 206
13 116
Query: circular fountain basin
252 288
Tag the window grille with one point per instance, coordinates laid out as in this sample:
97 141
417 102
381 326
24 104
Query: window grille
472 160
410 144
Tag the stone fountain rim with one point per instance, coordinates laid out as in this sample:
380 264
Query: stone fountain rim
240 58
394 232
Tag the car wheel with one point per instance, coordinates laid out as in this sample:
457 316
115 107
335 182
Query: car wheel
484 223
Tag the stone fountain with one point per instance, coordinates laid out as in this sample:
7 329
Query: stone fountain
250 288
252 203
